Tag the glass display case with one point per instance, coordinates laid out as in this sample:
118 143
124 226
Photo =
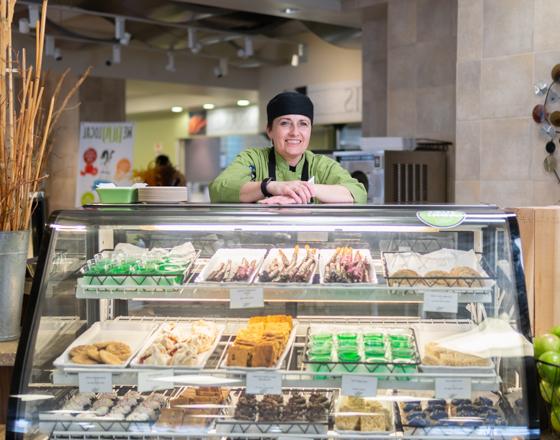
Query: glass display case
260 322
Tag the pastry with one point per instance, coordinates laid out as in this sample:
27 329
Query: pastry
270 408
435 354
79 349
93 353
373 415
469 275
171 417
261 342
246 408
83 359
109 358
406 278
119 349
347 266
437 278
295 409
288 270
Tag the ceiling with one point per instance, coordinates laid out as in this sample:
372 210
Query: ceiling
244 34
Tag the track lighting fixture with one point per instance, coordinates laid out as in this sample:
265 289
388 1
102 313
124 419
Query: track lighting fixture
170 67
247 50
33 16
192 42
221 69
23 25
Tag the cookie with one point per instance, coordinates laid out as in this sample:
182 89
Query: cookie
83 359
93 353
437 278
468 273
119 349
109 358
79 349
101 345
401 275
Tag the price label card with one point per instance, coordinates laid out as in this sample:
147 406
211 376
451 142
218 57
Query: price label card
95 382
264 382
246 298
148 380
453 388
444 302
360 386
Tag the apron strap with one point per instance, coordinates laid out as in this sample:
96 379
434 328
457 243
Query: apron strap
272 167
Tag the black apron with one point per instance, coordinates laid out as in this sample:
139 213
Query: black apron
272 167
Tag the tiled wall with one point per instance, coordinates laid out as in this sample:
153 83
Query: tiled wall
503 47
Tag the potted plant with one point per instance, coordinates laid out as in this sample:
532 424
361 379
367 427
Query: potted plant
27 118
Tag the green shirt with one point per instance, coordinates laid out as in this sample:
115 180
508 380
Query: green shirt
251 165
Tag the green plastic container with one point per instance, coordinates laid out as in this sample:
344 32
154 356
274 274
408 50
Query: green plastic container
117 195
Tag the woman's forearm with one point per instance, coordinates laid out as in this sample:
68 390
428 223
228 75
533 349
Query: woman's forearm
333 194
250 192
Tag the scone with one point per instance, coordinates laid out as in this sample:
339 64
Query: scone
400 278
80 349
83 359
437 278
109 358
466 272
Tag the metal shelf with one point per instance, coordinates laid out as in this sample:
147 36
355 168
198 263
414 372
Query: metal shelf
281 293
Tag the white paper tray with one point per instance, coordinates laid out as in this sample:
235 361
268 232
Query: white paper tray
236 255
132 333
202 357
273 253
426 334
387 405
291 340
325 256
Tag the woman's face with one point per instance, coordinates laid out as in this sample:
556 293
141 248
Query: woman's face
290 135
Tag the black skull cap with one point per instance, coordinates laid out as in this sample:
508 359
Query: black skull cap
289 103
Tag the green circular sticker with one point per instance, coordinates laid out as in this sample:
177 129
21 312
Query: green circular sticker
441 219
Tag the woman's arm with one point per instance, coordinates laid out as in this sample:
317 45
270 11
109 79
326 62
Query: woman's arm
333 194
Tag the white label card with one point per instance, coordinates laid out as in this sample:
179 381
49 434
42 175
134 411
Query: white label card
147 380
246 297
453 388
443 302
360 386
95 382
264 382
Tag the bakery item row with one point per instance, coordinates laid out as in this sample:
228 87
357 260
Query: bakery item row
304 411
264 341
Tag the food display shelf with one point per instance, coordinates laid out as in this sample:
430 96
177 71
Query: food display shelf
281 293
293 371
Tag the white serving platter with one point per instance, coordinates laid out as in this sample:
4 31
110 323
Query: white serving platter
325 256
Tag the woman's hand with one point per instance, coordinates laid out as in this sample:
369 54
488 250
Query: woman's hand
299 191
277 200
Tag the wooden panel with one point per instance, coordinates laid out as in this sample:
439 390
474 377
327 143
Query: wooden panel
547 268
5 383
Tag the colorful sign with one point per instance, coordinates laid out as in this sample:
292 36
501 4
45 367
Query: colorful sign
105 155
441 219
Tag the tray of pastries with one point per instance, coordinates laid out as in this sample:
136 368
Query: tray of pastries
182 345
345 265
456 417
129 265
445 268
289 265
122 411
263 343
106 344
357 415
438 356
292 412
232 266
193 410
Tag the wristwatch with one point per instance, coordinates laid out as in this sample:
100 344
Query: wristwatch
264 183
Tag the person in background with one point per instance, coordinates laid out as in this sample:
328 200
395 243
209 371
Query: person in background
166 174
281 174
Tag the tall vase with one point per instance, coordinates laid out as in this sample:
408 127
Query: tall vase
13 257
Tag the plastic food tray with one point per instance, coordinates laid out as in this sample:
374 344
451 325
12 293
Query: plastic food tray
132 333
273 253
236 256
325 256
291 340
202 357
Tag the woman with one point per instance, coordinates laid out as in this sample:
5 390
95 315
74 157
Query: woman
166 174
282 174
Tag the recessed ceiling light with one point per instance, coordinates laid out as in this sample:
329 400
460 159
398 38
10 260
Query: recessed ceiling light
208 106
243 102
289 10
176 109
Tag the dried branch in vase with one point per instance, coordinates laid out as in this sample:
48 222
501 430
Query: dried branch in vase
26 121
